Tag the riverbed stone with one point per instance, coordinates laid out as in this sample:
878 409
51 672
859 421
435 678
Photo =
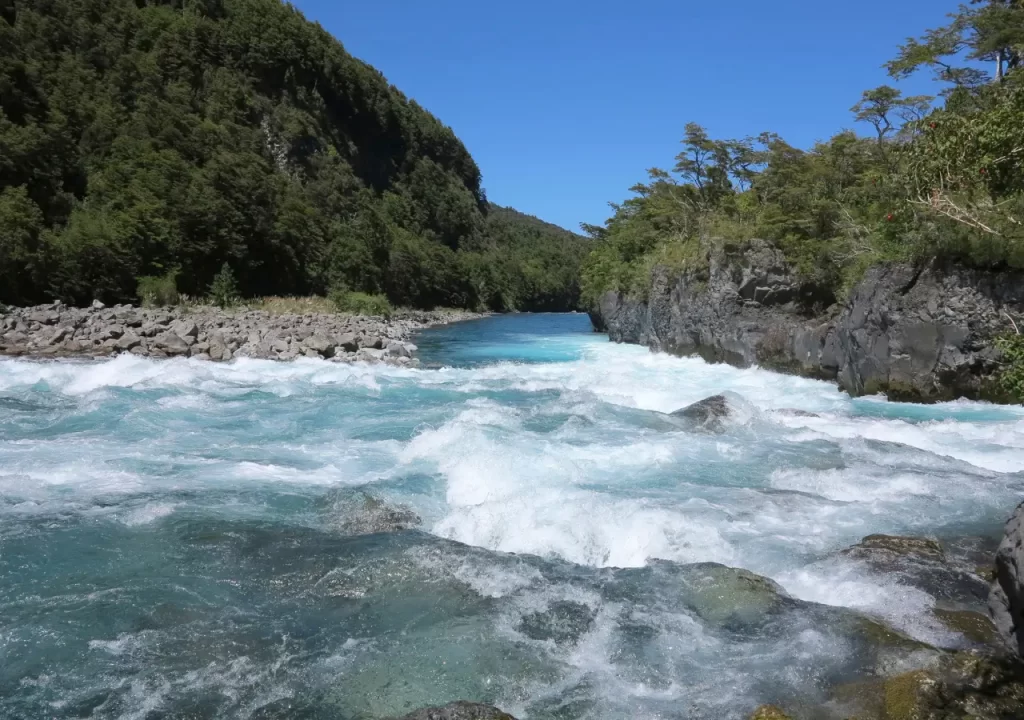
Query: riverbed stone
461 710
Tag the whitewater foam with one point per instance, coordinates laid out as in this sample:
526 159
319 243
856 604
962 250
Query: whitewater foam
573 460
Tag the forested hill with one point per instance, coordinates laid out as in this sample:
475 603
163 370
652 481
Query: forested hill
166 138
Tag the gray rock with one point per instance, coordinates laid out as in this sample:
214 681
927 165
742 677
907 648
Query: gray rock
359 513
461 710
707 412
748 306
60 335
218 347
128 341
371 342
397 348
1006 598
564 621
185 329
320 345
348 342
170 344
97 305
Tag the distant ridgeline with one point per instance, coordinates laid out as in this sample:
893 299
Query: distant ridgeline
167 138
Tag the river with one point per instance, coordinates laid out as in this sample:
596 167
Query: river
176 536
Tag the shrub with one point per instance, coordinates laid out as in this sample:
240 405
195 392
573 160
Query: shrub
359 303
1011 378
154 290
224 289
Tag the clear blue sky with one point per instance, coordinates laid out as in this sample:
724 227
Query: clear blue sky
565 103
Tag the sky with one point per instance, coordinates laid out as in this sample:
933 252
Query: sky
564 104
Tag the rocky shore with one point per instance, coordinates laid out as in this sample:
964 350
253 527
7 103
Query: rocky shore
914 333
209 333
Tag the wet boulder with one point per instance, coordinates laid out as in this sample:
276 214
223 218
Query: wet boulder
957 686
884 548
923 563
361 513
461 710
733 598
1006 597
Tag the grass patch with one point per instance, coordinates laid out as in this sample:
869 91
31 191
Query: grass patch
310 305
359 303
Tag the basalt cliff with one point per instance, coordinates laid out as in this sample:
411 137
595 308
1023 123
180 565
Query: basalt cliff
922 333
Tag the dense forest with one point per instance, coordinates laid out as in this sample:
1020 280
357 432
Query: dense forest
934 177
163 140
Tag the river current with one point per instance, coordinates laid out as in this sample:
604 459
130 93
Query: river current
178 538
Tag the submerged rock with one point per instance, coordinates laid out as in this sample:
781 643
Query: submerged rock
732 597
461 710
564 621
877 548
706 410
1006 599
924 564
360 513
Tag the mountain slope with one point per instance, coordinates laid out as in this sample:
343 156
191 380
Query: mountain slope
171 136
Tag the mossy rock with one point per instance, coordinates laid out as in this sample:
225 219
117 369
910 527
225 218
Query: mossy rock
902 695
974 626
962 686
730 596
882 636
898 545
769 712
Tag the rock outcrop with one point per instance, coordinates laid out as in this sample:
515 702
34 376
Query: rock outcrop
209 333
919 333
1006 600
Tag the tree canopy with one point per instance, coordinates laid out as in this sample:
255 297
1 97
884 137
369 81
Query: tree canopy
171 137
940 178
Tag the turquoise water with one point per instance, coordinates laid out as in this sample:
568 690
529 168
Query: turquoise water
176 537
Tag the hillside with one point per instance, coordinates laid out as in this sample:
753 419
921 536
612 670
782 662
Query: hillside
935 190
167 138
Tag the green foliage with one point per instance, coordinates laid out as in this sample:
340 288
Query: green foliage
138 136
359 303
1011 378
224 288
945 182
158 290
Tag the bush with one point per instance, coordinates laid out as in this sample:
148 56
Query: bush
224 289
158 290
359 303
1011 378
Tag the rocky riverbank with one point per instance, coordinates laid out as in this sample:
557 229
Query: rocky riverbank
209 333
914 333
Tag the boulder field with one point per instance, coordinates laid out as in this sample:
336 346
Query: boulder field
209 333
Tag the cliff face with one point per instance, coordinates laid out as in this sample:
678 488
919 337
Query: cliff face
914 333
